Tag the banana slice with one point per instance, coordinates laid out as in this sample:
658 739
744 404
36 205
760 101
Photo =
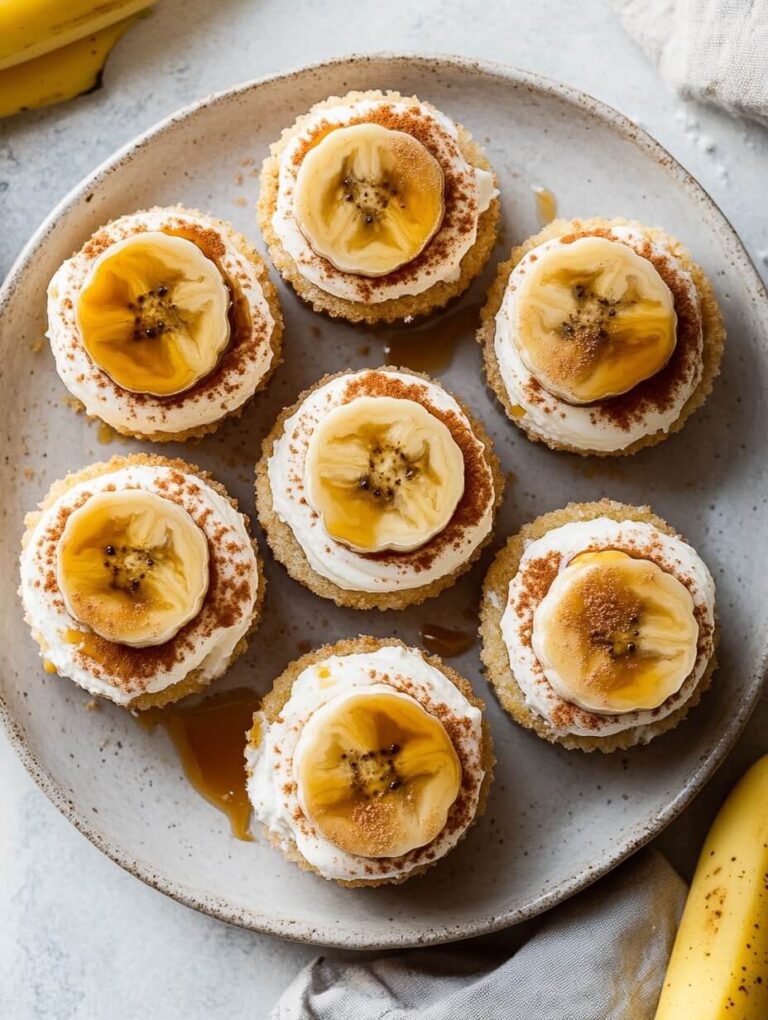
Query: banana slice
376 773
593 320
369 199
615 634
383 473
133 567
153 314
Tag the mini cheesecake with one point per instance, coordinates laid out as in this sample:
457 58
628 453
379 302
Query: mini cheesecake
368 761
377 488
377 207
140 580
164 324
598 626
601 336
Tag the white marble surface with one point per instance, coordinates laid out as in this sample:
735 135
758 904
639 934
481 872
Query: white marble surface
80 938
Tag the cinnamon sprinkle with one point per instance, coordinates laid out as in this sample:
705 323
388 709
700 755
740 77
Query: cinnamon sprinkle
608 605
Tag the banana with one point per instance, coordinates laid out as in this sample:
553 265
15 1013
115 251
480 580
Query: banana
62 74
133 567
32 28
593 319
376 773
369 199
153 313
718 969
615 634
383 473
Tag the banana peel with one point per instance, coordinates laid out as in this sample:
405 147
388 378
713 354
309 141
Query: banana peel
718 969
61 74
31 28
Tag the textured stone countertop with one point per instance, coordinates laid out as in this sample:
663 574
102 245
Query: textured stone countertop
79 937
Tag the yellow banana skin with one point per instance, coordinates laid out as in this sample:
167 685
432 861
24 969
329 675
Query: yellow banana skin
62 74
30 28
719 964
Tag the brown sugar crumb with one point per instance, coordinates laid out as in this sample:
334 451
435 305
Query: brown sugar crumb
92 705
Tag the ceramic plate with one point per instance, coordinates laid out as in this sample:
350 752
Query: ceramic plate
556 820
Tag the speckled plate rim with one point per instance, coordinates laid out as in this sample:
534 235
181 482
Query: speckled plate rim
284 928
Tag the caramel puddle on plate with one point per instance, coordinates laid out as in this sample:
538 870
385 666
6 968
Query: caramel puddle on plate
598 467
444 641
105 434
546 204
430 348
210 740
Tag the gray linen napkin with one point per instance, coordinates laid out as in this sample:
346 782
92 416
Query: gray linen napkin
712 50
600 956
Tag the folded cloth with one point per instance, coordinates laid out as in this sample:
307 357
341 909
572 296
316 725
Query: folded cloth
712 50
600 956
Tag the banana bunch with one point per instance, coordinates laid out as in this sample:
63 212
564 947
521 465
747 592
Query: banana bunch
133 567
377 773
383 473
719 963
52 50
594 319
369 199
615 633
153 313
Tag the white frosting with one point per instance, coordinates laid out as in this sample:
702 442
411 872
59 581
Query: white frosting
270 766
354 571
230 387
202 645
584 427
670 553
478 191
